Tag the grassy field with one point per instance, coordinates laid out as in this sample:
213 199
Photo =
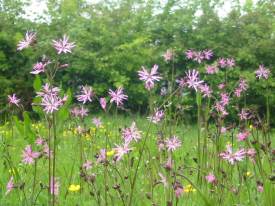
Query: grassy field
111 183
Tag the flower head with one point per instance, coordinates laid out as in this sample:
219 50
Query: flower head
149 77
212 69
27 41
12 99
117 96
63 45
97 122
74 188
131 133
157 116
87 165
193 80
233 157
262 72
85 95
208 54
241 136
103 103
29 156
173 143
168 55
121 150
210 178
10 185
54 186
39 67
205 90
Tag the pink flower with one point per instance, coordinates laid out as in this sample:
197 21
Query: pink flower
29 156
223 130
27 41
117 96
63 46
230 62
120 151
262 72
101 158
157 116
244 114
210 178
149 77
97 122
46 150
221 86
12 99
178 191
173 143
131 133
163 180
54 186
251 152
222 62
198 56
208 54
10 185
205 90
87 165
47 89
103 103
39 141
83 112
224 99
232 157
168 55
85 95
74 111
243 86
189 54
51 103
39 67
193 80
212 69
169 163
260 188
220 109
243 135
182 82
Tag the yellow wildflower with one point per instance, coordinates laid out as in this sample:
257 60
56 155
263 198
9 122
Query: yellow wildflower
189 188
74 188
248 174
110 153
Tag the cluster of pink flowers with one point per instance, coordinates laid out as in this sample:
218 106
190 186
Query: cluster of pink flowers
212 69
244 114
226 62
242 87
79 112
199 56
51 101
149 77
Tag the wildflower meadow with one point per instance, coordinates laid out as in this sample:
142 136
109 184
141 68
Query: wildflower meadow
198 140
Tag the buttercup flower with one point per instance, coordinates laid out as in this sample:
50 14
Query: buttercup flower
74 188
